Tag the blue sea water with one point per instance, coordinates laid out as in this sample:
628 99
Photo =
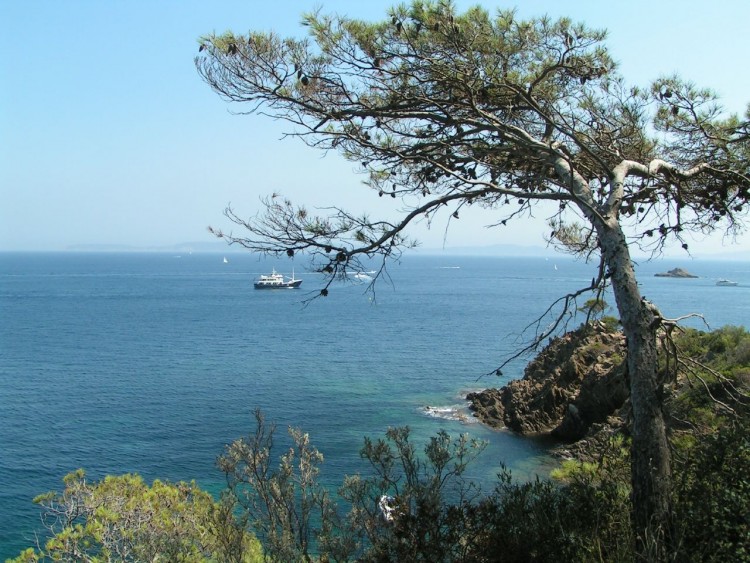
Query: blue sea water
152 363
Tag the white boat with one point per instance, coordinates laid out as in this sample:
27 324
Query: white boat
275 280
225 260
726 283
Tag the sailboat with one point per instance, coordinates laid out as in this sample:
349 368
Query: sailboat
225 260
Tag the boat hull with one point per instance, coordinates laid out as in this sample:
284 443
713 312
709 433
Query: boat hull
294 284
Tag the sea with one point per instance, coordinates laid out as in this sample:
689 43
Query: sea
153 362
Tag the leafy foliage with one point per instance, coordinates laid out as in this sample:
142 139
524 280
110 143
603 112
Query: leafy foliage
283 505
587 519
713 496
297 519
123 519
715 367
425 493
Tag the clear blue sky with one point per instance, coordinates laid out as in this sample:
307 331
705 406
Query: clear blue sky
109 136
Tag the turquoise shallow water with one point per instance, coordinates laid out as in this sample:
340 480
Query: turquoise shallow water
151 363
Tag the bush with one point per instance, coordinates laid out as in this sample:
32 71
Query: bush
417 506
712 504
123 519
412 506
585 516
426 493
287 507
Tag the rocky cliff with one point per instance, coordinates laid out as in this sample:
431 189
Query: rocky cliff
573 387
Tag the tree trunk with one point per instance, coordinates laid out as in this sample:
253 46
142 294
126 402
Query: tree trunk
650 458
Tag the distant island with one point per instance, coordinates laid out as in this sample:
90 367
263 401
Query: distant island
676 273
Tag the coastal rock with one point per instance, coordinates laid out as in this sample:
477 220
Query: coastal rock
576 382
675 273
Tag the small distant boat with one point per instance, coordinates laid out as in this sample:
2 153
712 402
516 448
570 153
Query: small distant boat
225 260
275 280
362 276
726 283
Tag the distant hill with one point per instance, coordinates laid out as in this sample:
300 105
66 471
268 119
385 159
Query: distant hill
511 250
217 247
517 250
491 250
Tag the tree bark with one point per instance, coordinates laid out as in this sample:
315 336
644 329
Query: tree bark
650 463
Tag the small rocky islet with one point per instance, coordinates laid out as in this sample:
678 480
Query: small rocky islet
675 273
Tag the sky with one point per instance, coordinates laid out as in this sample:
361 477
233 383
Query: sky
108 136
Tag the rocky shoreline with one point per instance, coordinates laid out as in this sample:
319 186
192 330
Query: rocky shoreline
574 391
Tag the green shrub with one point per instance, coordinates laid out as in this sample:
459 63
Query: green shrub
286 505
712 501
427 492
121 518
611 323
